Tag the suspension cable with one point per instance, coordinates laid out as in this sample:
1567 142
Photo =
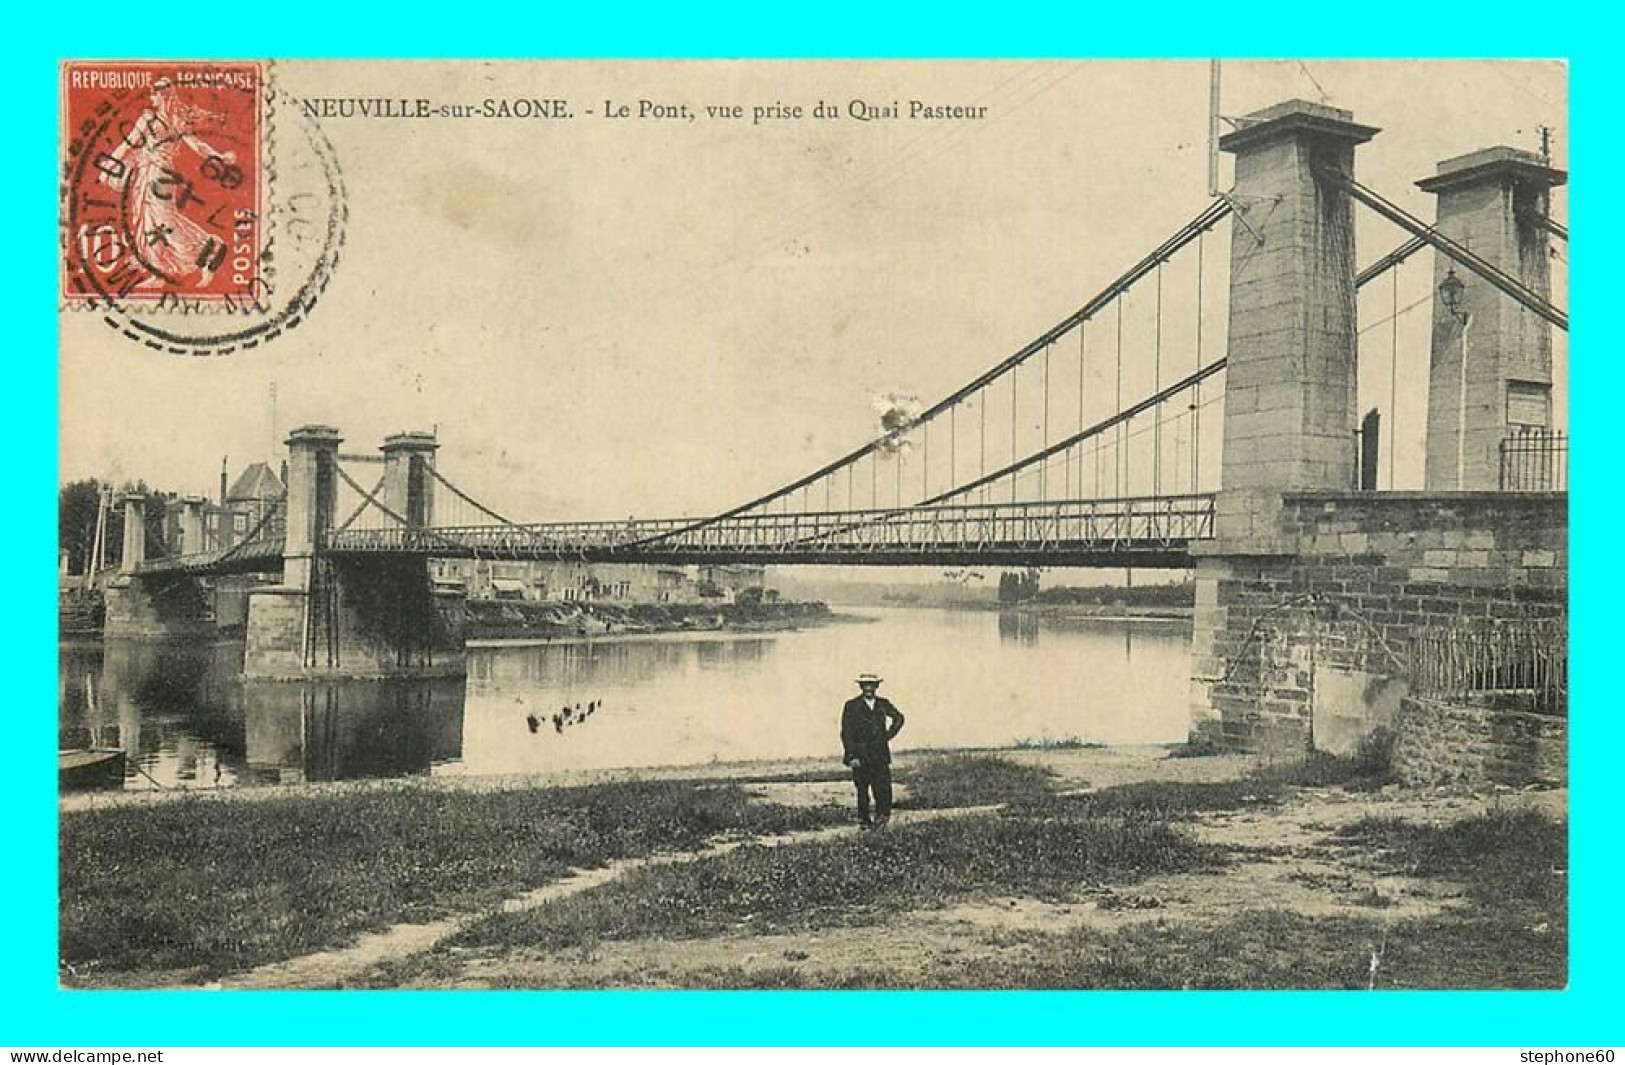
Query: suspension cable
1393 384
1115 421
925 459
1014 421
1120 459
1083 349
866 519
470 500
1210 216
1547 222
1196 421
1043 481
259 526
982 406
1156 385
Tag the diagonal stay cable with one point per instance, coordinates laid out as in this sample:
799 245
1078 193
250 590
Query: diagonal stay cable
1508 284
356 513
368 498
278 506
406 526
1546 222
1209 217
371 499
220 556
1389 261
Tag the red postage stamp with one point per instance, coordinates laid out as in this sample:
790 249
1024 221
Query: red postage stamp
163 192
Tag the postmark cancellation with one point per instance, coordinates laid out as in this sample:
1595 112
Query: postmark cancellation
187 222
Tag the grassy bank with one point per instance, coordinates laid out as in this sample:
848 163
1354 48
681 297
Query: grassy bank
1311 874
1510 866
763 890
1258 949
1041 844
1121 848
215 886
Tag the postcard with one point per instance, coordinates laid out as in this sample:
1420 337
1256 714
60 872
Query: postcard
813 524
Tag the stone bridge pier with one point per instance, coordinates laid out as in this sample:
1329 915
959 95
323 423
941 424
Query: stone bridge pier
353 616
1312 594
171 605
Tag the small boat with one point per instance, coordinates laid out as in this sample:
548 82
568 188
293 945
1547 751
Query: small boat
90 770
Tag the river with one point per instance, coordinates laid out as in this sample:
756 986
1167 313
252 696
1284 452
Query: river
962 678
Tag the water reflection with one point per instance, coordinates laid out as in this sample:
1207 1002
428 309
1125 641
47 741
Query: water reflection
350 730
965 679
186 718
1018 626
566 664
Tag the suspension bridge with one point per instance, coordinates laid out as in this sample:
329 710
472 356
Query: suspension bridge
1173 419
987 475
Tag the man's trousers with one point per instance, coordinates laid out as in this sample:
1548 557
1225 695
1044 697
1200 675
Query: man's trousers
873 778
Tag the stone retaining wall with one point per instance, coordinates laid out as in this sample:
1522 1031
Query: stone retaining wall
1440 741
1306 644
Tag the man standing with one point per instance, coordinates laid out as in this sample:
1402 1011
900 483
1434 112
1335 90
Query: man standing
868 723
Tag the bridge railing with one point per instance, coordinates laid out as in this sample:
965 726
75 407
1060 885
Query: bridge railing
1114 523
241 556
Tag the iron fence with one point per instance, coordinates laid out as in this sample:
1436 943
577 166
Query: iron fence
1535 460
1524 664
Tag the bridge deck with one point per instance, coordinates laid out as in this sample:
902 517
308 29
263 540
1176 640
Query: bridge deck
1147 532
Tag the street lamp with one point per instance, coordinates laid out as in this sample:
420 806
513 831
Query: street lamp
1450 290
1450 293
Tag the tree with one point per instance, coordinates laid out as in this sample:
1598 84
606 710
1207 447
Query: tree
76 505
76 521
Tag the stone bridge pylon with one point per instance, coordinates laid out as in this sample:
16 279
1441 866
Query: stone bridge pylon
1313 594
353 617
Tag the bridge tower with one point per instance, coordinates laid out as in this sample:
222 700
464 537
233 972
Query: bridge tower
1290 392
283 620
143 606
191 525
351 617
409 477
134 548
1316 602
1289 407
1491 368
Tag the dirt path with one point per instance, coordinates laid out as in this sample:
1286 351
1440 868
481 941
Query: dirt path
1291 860
335 968
1299 866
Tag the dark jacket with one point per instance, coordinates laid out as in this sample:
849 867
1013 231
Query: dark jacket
865 732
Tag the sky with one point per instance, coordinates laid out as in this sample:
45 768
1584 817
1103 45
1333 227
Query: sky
604 317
